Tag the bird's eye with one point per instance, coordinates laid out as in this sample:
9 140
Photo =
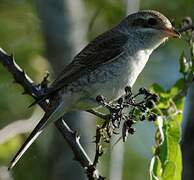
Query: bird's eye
152 21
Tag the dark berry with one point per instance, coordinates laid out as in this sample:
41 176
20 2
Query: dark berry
143 108
129 123
150 104
120 100
143 91
100 98
128 92
131 130
155 97
127 89
142 118
152 117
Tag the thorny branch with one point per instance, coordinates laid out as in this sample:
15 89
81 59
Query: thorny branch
31 89
117 116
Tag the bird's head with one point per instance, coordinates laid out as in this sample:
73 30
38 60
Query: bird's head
149 27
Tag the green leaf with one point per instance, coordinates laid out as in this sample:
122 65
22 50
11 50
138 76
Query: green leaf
175 128
169 153
164 96
169 171
155 168
192 56
157 88
164 103
184 65
170 150
177 87
164 146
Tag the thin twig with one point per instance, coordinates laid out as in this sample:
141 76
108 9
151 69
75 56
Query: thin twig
99 151
186 28
99 114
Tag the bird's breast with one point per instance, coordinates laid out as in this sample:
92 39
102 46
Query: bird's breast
126 70
108 79
111 78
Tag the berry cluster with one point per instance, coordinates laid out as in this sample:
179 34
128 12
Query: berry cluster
129 109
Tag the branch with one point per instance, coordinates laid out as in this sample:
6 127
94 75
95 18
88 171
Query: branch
20 77
73 140
186 28
99 114
31 89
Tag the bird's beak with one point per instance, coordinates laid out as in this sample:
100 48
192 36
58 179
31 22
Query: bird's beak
172 32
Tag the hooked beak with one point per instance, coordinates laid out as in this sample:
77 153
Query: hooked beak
172 32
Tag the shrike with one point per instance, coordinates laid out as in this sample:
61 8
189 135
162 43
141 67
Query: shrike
105 66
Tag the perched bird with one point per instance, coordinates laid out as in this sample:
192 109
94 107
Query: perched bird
104 67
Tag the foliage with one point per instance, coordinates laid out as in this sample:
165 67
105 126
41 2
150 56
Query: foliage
166 163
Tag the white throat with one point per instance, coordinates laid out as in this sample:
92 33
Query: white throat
136 64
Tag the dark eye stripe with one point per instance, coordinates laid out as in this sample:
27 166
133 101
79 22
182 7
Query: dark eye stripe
139 22
152 21
144 23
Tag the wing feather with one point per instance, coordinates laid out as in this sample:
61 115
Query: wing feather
100 51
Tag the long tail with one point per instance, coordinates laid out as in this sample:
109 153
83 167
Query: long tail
46 119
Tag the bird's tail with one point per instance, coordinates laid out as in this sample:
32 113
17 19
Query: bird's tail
46 119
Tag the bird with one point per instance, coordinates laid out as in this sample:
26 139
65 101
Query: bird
110 62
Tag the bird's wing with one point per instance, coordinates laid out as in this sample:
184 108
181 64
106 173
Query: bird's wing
48 117
103 49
